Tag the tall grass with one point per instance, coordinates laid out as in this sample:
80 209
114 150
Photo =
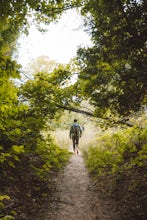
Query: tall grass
88 138
62 138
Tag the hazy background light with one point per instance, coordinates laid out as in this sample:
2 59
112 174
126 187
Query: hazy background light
59 43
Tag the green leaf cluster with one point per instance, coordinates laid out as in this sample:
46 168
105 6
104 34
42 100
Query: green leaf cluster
119 152
52 157
118 165
4 198
112 72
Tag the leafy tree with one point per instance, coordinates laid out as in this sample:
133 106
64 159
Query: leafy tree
24 150
47 92
41 64
14 19
113 71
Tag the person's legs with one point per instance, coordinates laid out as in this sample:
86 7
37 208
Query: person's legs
77 140
74 143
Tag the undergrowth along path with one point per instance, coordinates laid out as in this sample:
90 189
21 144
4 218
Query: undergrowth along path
75 197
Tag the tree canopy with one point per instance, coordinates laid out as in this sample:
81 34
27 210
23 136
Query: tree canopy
112 73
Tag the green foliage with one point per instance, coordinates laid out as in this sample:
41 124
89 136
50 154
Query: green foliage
26 156
118 164
48 93
2 198
8 217
113 71
118 152
51 156
2 205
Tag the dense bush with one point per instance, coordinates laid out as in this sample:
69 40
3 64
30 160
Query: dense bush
27 178
117 152
118 163
27 155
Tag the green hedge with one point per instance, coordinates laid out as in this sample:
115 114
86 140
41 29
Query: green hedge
117 152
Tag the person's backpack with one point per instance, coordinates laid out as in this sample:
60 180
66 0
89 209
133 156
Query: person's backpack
76 130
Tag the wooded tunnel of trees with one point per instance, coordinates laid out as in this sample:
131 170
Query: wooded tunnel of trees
110 93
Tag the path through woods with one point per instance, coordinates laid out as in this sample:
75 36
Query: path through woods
75 197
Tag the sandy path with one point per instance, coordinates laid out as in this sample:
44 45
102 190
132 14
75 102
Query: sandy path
74 197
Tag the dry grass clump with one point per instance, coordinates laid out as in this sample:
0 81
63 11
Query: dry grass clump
62 138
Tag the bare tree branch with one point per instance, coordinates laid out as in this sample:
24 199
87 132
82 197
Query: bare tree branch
76 110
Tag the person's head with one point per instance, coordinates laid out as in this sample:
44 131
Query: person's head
75 120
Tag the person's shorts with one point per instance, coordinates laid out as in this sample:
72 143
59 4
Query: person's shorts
75 140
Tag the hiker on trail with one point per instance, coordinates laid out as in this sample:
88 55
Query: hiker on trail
75 133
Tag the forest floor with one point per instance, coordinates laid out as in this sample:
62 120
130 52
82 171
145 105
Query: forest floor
75 197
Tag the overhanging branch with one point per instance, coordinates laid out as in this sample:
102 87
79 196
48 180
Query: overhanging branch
69 108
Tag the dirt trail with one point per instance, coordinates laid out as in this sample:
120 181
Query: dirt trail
74 197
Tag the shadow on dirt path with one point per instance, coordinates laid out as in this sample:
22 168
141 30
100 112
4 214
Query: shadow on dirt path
75 198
